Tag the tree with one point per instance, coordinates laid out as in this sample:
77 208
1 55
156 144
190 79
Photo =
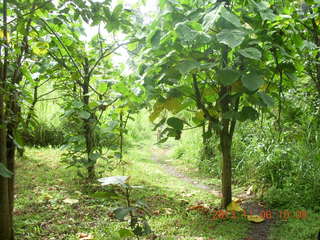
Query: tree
210 56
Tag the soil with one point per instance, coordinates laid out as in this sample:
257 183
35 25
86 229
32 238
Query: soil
258 231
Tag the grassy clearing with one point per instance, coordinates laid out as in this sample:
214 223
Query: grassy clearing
186 158
297 229
44 185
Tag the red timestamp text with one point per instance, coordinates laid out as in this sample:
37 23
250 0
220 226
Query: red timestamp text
266 214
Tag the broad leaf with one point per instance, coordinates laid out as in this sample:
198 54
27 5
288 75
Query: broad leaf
121 213
231 18
234 206
251 52
211 17
155 38
231 38
40 48
255 218
266 99
227 76
175 123
267 15
84 115
185 32
252 81
187 66
248 113
114 180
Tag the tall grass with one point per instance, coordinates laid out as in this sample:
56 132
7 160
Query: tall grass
48 131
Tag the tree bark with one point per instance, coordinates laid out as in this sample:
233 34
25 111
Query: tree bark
225 143
89 135
6 230
5 219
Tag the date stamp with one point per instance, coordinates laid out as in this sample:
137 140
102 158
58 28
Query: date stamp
266 214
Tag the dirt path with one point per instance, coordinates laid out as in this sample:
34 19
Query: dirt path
258 231
160 154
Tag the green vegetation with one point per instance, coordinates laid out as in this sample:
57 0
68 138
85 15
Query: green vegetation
119 120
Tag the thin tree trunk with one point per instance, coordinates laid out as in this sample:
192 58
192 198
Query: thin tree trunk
204 134
226 137
225 143
5 219
89 135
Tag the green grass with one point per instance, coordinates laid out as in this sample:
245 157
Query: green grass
43 184
297 229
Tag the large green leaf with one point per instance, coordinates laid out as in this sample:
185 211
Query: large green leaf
267 15
175 123
231 38
227 76
211 18
248 113
266 99
4 172
84 114
251 52
187 66
155 38
231 18
252 81
185 32
121 213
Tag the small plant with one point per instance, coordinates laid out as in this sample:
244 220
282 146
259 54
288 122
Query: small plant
136 212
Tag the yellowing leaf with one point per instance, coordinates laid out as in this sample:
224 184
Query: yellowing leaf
237 200
172 104
208 91
233 206
40 48
157 109
199 116
70 201
255 218
2 36
237 86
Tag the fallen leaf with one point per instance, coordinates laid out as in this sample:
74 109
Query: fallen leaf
250 190
85 236
70 201
233 206
255 218
156 212
167 211
202 208
237 200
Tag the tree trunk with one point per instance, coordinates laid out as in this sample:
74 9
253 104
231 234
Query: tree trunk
225 143
5 218
89 134
13 116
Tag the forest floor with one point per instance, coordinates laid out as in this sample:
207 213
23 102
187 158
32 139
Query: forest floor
258 231
53 202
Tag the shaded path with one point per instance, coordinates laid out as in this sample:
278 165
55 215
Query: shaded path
159 154
258 231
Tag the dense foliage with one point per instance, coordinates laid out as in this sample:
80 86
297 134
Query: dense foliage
240 78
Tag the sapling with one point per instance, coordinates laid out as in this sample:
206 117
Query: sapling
135 212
